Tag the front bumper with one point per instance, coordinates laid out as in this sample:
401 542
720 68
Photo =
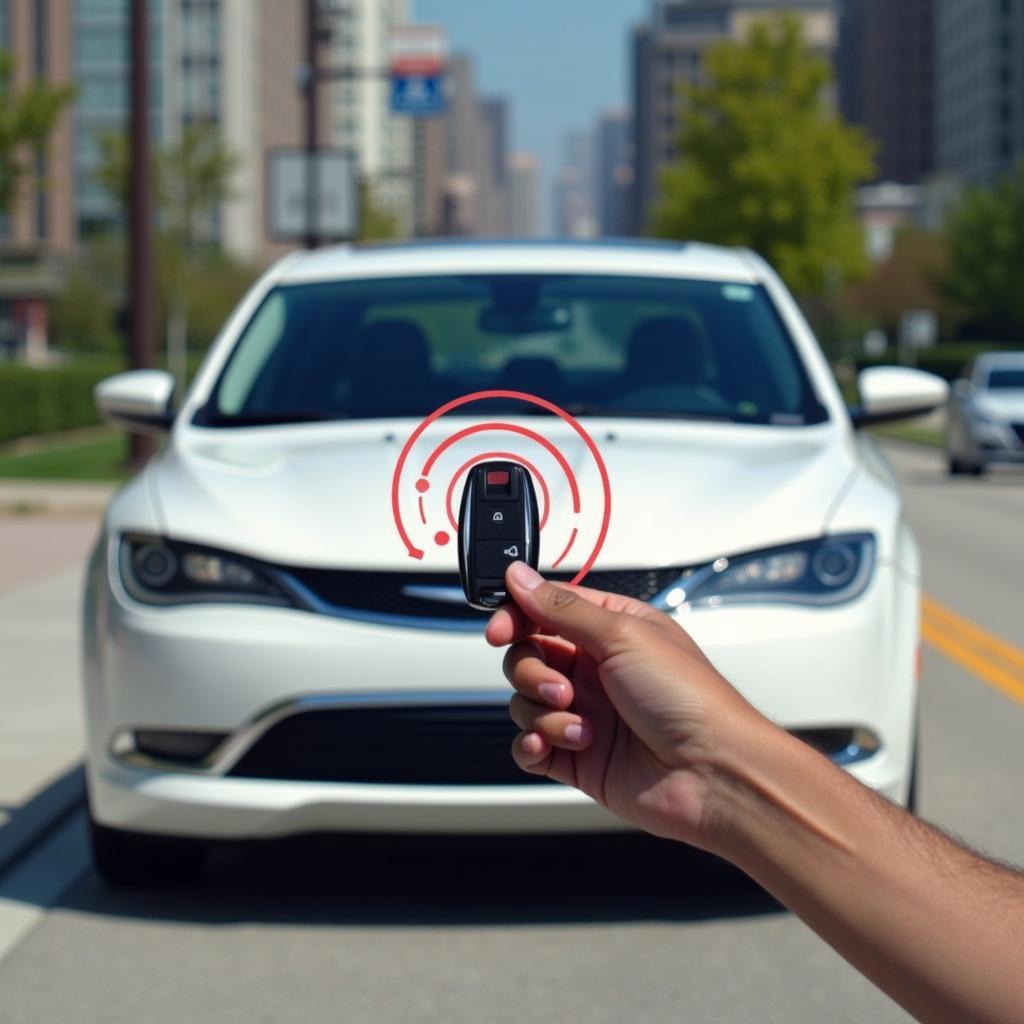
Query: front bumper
998 442
219 667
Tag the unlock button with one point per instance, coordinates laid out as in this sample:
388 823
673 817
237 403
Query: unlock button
494 520
493 557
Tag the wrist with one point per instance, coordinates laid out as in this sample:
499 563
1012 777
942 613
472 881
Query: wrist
769 790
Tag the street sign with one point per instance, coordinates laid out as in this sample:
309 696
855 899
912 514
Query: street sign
335 206
418 95
418 55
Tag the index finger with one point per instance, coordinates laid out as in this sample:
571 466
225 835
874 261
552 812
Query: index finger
509 623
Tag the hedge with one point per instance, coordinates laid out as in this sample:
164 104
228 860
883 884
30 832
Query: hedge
947 360
37 401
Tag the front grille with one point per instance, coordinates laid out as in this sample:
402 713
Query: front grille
381 592
1018 429
452 746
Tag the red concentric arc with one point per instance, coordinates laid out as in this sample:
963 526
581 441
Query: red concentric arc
482 428
518 396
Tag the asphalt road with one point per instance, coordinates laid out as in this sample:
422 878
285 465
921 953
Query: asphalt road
461 932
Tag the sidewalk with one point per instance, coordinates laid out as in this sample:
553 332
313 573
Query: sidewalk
53 497
42 558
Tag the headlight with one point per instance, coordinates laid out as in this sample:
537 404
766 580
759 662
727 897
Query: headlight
827 571
978 416
160 571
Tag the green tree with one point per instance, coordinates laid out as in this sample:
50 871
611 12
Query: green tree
767 162
192 174
27 119
376 224
197 284
907 279
985 278
83 313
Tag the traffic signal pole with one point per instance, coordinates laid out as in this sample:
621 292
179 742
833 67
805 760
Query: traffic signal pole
140 215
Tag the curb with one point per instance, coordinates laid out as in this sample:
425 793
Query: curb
31 823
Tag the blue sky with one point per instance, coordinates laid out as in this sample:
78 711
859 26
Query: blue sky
559 61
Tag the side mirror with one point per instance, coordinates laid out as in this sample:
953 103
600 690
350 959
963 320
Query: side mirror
139 400
896 393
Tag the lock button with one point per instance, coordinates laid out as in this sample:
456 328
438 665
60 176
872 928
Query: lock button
493 557
494 520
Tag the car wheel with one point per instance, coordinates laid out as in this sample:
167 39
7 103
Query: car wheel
956 467
134 859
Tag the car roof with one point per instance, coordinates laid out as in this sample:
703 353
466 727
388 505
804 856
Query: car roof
991 360
627 257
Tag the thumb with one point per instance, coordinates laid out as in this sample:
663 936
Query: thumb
567 612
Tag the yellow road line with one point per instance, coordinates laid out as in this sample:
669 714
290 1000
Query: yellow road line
990 658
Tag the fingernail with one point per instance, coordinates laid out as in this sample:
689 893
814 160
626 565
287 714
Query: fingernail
578 732
531 743
550 693
526 577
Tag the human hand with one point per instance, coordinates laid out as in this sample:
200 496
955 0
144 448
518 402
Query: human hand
615 698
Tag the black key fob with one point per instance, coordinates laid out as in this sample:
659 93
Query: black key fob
498 525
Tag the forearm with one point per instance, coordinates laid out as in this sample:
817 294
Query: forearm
938 928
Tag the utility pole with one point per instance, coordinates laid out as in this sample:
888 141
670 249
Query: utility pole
140 263
312 125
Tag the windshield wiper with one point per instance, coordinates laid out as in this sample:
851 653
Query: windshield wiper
272 418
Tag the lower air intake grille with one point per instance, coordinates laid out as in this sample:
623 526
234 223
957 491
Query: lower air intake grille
450 746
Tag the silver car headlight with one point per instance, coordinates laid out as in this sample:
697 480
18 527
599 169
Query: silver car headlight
156 570
825 571
979 416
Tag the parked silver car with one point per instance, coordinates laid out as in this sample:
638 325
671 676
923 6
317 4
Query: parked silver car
986 414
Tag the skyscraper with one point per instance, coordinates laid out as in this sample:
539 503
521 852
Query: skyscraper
461 163
886 68
669 52
613 177
979 88
524 195
360 108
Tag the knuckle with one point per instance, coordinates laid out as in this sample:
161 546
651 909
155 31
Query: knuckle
559 598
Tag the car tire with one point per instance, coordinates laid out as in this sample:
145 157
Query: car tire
134 859
956 467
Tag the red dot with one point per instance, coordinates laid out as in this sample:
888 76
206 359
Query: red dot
441 538
422 485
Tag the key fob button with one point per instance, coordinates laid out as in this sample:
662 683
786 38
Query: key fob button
497 521
493 557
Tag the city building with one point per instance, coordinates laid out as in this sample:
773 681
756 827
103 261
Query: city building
461 181
886 72
574 199
523 195
361 119
668 52
613 175
37 233
883 211
979 67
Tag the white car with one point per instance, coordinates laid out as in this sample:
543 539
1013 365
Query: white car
985 422
264 658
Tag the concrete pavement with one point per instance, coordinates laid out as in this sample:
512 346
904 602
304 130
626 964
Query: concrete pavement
41 560
466 932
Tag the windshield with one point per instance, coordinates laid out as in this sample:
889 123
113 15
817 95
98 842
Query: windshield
595 345
1006 380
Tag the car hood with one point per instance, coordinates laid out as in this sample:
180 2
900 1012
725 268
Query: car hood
1003 406
681 492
